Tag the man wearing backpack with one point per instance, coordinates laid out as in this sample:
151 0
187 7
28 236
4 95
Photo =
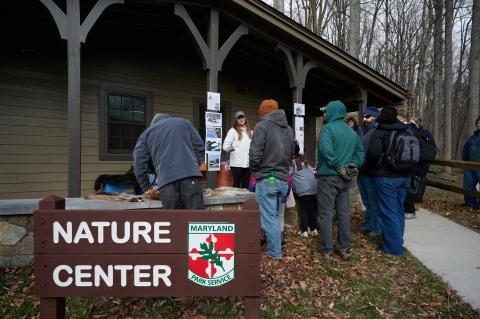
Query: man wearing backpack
397 152
428 152
471 153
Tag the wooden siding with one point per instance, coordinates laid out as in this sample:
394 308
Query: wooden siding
33 111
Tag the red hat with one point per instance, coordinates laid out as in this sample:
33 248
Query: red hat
267 106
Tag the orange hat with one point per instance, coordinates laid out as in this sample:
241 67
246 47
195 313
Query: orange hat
267 106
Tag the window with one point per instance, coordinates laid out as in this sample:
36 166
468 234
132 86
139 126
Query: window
124 115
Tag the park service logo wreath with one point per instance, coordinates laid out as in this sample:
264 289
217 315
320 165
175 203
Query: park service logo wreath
211 258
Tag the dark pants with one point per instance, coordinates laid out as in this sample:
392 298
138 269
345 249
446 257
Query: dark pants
182 194
470 180
332 193
241 176
308 217
409 207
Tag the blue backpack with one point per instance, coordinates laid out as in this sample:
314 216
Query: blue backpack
403 152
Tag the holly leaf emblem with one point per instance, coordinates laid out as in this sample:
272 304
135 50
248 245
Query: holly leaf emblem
209 254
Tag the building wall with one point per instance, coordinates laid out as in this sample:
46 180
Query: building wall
33 106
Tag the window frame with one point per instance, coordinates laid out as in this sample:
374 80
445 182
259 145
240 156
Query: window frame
112 88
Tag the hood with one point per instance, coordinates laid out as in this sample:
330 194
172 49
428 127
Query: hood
335 111
397 126
157 117
277 117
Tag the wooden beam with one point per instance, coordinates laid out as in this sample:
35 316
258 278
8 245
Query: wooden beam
212 57
75 33
458 164
453 188
93 16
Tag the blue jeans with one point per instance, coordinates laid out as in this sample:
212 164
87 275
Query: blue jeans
470 180
269 197
391 194
368 192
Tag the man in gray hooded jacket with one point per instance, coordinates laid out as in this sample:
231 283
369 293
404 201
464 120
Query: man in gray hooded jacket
271 152
176 150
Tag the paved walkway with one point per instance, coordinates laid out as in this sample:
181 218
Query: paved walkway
448 249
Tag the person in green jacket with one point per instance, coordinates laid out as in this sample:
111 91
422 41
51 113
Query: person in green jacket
340 152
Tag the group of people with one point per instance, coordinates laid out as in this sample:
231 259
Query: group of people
270 154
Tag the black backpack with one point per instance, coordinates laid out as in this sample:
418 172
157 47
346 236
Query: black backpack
428 149
403 152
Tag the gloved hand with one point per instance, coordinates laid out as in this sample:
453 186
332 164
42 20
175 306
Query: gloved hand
349 172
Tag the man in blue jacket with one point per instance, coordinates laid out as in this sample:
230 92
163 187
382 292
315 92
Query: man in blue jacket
471 153
176 150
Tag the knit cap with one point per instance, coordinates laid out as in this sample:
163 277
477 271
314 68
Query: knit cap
267 106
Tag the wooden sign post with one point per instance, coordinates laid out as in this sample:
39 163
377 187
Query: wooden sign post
145 253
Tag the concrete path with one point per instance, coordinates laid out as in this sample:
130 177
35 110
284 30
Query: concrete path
449 250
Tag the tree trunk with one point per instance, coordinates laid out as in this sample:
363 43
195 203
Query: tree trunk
279 5
354 29
475 63
437 68
447 138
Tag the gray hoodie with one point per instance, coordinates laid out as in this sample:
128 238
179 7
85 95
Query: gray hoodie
175 148
272 148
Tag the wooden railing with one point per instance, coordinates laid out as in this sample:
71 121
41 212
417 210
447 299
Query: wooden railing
452 188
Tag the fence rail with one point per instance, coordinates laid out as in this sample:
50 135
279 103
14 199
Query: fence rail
453 188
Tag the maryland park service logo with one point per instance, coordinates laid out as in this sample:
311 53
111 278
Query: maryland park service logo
211 258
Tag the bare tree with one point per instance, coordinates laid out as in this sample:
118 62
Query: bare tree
437 66
354 29
475 62
447 138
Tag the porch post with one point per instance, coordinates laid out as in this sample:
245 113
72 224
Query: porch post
297 72
212 57
74 82
362 96
75 33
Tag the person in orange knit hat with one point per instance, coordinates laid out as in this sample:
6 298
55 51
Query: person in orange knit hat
267 106
271 152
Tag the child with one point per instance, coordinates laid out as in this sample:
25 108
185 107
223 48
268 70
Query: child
305 187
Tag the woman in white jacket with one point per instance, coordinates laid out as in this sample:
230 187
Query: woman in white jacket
237 143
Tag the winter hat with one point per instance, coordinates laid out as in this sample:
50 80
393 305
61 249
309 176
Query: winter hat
372 111
267 106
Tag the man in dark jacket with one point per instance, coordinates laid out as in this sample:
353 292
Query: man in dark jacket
176 150
366 178
418 130
391 184
271 152
471 153
338 147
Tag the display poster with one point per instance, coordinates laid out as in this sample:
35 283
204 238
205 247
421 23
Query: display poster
213 101
213 162
299 109
213 119
300 132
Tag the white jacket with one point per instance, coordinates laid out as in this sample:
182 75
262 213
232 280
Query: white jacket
239 157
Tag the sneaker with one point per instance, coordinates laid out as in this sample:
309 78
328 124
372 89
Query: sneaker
410 216
326 258
313 232
345 254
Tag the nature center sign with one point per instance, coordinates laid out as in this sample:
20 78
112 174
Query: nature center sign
147 252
